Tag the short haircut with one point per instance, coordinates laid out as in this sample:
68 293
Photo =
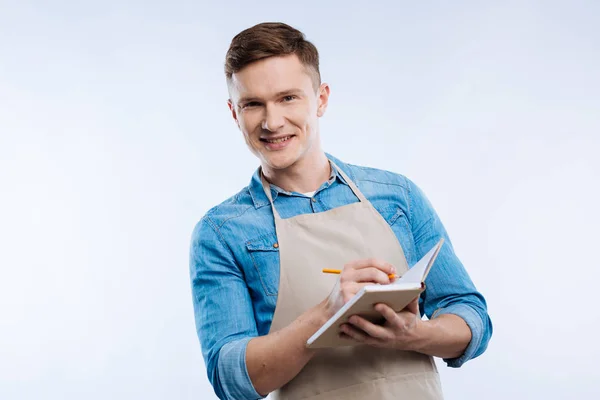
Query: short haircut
271 39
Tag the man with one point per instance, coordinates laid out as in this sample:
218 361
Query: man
256 259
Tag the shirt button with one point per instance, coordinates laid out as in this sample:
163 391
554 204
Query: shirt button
276 245
314 200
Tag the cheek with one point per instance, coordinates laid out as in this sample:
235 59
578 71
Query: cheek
310 124
249 125
303 119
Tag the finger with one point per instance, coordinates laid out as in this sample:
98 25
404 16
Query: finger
388 313
342 335
372 262
413 306
353 333
359 336
369 275
349 289
375 331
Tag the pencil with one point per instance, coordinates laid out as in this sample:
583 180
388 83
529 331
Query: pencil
338 271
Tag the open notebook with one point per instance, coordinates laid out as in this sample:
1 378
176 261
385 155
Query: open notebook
397 295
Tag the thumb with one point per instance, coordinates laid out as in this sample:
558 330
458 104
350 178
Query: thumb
413 306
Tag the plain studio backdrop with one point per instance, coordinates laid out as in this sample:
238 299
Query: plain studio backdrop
116 139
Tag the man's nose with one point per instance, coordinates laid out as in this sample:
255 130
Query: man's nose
274 119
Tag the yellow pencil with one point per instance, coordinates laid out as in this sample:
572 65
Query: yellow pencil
338 271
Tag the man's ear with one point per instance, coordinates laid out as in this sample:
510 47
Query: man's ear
233 112
323 100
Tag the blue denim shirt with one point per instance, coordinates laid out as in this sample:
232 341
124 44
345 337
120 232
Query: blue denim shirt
234 266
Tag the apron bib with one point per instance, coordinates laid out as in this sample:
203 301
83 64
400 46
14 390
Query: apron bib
330 239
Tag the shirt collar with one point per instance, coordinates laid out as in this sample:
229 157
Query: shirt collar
260 199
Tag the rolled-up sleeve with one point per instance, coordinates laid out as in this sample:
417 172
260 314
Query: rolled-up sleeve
223 313
449 289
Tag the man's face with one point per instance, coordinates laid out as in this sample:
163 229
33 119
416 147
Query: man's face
276 107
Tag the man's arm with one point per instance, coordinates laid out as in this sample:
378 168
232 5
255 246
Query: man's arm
223 312
451 301
446 336
458 328
241 365
274 359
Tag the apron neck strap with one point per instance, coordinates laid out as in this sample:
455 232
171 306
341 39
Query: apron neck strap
350 183
267 188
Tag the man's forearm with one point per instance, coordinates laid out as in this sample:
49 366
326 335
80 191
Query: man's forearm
446 336
275 359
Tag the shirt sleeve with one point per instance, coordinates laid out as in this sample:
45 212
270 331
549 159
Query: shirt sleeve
223 313
449 289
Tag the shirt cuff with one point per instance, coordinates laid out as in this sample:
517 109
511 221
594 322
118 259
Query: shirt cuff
233 374
475 324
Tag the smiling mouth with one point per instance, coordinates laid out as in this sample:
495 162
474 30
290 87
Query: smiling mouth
279 140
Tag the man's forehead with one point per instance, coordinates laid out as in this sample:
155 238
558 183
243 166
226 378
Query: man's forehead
270 76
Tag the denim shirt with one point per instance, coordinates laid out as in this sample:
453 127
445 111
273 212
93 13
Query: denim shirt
234 266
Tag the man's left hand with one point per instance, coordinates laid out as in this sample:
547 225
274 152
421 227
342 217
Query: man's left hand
400 330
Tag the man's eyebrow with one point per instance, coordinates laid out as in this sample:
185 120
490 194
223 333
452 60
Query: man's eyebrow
288 92
247 99
283 93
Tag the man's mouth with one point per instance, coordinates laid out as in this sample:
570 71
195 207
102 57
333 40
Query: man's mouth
278 140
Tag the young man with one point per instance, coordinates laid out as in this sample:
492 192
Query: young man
256 259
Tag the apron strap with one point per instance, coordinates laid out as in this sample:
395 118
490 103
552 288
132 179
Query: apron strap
350 183
353 187
267 189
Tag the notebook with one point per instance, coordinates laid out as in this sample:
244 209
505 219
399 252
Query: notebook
397 295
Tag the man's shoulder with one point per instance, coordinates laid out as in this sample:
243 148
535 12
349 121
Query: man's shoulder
361 173
229 209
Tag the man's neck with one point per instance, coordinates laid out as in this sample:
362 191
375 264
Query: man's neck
307 175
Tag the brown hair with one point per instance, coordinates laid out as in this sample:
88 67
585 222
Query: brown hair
271 39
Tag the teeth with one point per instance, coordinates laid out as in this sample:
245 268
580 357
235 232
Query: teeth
278 140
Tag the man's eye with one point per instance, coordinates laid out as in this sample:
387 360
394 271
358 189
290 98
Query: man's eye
250 104
289 98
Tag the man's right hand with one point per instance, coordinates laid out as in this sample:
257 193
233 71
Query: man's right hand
354 277
265 355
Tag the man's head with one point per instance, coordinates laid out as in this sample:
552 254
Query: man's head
276 94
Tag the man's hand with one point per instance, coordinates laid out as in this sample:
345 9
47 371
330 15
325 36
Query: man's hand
400 330
445 336
354 277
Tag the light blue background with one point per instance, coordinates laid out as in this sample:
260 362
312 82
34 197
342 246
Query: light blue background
115 138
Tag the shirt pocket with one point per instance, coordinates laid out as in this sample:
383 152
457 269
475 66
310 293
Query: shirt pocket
264 253
398 221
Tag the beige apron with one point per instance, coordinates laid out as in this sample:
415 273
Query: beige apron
307 244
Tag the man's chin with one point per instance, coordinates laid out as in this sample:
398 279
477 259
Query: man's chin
279 165
279 162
